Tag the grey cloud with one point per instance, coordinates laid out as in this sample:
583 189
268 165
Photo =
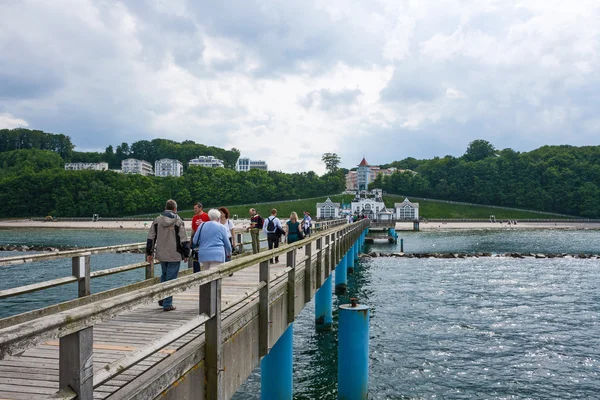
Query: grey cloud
285 34
328 100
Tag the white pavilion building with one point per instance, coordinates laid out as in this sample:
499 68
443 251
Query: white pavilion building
328 209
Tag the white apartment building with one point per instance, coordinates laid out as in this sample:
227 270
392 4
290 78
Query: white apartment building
135 166
168 167
206 161
245 164
102 166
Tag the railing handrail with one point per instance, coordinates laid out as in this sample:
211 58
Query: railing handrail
27 259
27 334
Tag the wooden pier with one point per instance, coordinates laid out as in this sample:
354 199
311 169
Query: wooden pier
119 344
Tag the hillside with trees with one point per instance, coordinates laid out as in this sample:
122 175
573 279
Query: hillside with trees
558 179
35 183
24 139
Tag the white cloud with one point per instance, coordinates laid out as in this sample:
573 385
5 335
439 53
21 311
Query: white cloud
8 121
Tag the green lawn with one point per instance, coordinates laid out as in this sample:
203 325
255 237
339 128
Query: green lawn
427 209
433 209
284 208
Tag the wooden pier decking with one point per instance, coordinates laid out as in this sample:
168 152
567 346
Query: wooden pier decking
141 352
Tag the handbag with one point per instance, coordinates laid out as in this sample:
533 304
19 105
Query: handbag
300 234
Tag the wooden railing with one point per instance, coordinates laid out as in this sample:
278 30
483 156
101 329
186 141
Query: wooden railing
74 326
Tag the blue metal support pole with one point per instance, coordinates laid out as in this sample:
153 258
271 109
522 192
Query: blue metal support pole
356 250
350 260
341 276
324 306
353 351
276 369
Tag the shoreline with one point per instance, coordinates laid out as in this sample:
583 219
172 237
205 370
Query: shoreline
242 224
441 226
108 225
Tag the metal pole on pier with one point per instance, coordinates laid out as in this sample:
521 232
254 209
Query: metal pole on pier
401 245
353 351
276 369
324 306
341 276
350 260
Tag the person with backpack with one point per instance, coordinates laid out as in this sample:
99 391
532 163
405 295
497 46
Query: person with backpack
167 241
272 227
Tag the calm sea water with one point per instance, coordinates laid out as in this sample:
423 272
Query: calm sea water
486 328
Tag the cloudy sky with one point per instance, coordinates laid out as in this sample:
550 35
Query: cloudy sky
287 80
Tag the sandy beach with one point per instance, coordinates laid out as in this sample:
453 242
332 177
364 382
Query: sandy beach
427 226
143 225
242 224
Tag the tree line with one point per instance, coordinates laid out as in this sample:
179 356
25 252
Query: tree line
149 150
34 183
560 179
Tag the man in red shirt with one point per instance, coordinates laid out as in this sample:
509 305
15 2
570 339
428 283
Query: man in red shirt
199 218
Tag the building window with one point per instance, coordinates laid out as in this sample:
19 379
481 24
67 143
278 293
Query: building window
327 211
407 212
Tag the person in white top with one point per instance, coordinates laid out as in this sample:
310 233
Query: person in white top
306 223
272 227
229 225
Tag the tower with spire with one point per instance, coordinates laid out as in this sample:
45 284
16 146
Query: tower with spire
363 175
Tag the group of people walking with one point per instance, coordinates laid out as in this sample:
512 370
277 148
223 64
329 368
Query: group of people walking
213 239
294 229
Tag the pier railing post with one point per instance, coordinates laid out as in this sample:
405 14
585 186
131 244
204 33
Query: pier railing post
263 310
327 256
291 300
319 281
308 273
334 261
338 248
240 243
76 363
81 271
210 304
150 269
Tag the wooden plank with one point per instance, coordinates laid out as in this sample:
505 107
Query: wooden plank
118 270
26 389
17 395
34 287
123 364
30 258
5 380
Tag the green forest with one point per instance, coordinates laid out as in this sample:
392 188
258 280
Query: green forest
34 182
23 139
558 179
